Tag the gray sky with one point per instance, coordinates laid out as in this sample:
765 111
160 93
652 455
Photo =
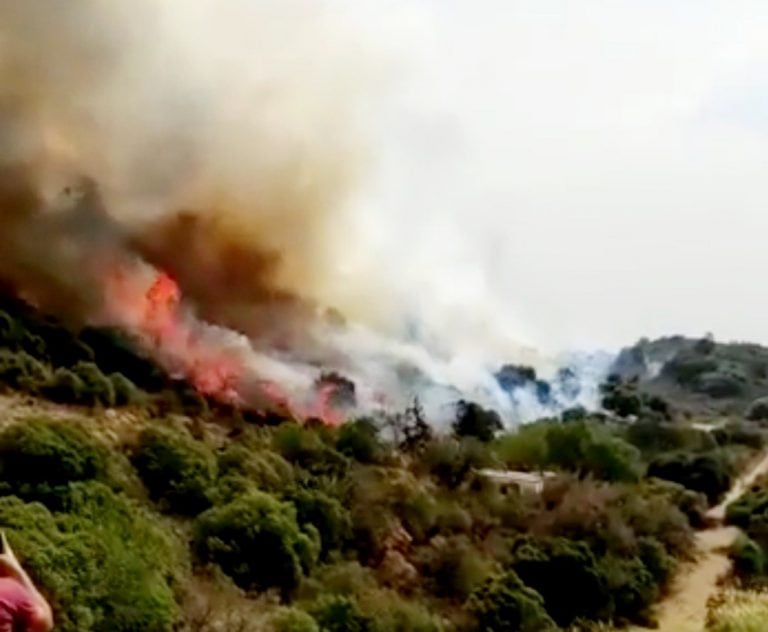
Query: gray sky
581 173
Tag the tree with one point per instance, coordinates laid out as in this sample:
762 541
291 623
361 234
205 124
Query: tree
257 541
505 604
38 456
360 441
705 473
549 564
326 514
472 420
176 469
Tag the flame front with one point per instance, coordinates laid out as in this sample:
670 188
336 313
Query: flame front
148 303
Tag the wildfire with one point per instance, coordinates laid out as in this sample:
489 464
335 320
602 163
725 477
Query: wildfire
152 310
149 304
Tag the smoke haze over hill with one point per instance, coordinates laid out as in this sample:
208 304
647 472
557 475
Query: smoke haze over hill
425 191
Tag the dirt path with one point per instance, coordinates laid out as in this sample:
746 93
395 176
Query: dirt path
685 609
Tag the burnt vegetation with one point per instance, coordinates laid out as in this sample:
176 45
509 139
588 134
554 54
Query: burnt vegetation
139 504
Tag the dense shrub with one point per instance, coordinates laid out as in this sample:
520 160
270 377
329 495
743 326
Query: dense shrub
326 514
748 557
176 469
64 387
97 387
104 564
706 473
125 391
740 434
267 470
654 437
451 461
758 410
740 512
39 456
19 370
360 440
525 447
504 603
548 564
339 613
305 448
582 448
472 420
257 541
453 566
292 620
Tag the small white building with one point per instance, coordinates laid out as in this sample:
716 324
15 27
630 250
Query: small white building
532 482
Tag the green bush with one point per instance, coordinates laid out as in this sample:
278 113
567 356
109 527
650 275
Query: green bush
176 470
748 557
758 410
39 456
453 567
326 514
64 387
706 473
267 470
19 370
359 440
633 589
586 449
451 461
472 420
524 448
305 448
125 391
257 541
740 511
104 564
503 603
97 387
548 564
339 613
292 620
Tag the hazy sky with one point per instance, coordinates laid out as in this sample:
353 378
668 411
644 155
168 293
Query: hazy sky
589 172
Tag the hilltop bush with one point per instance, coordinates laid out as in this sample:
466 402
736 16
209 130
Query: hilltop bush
97 387
451 461
104 564
292 620
546 565
305 448
324 513
176 470
257 541
19 370
64 387
340 613
39 457
472 420
758 410
504 603
267 470
707 473
359 440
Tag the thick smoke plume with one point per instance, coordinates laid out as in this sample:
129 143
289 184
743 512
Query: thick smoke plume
185 172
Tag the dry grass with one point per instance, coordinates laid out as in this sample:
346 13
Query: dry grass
739 611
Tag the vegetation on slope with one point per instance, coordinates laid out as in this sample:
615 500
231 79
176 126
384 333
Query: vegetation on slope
177 513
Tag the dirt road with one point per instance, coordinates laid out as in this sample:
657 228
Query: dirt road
685 609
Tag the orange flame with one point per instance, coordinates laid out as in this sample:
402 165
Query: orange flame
156 316
149 304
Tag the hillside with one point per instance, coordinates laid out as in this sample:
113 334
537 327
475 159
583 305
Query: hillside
139 504
702 376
